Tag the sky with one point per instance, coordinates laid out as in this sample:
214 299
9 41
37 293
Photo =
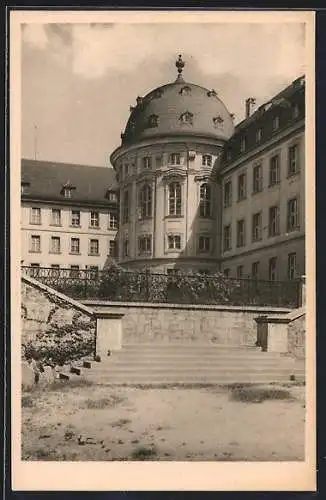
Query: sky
79 80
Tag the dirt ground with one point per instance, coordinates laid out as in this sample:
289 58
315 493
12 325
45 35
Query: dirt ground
100 423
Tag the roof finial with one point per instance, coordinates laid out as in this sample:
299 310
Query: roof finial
180 64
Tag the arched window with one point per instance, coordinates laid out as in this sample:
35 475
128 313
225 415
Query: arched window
175 198
145 201
205 200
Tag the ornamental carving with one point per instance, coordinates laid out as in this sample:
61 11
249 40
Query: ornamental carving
185 90
212 93
187 117
218 122
152 121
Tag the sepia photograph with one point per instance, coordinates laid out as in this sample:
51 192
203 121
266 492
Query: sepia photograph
163 176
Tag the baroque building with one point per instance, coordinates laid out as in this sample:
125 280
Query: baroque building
170 203
69 216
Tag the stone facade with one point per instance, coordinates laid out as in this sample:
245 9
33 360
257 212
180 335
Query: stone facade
160 323
297 337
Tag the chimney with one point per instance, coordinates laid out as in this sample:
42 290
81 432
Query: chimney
250 102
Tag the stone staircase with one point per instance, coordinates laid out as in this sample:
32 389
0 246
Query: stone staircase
172 364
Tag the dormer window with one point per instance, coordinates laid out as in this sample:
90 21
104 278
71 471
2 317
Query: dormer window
218 122
276 122
295 111
153 121
187 117
112 196
243 145
24 188
212 93
185 90
67 190
259 133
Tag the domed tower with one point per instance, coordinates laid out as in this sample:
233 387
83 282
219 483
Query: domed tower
169 200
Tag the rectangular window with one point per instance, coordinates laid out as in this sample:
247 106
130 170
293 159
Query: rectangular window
74 272
113 248
204 244
255 270
94 247
56 217
226 272
292 266
227 194
274 170
144 244
75 245
207 160
75 218
242 187
147 162
227 238
113 221
259 134
293 160
276 122
175 159
35 244
126 206
174 242
274 221
272 269
293 215
126 248
35 215
240 272
241 236
257 179
256 227
243 145
55 244
126 167
175 199
94 219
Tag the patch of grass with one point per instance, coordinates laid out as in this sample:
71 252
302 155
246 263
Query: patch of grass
27 401
100 404
143 453
121 422
40 453
259 394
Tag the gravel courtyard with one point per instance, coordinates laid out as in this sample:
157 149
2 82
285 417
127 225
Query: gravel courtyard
82 422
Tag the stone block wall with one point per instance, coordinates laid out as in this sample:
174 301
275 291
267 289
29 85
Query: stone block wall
297 336
160 323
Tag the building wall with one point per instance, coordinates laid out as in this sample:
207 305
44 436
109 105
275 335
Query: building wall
191 174
289 187
65 232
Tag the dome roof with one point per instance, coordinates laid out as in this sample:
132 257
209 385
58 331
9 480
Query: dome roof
178 108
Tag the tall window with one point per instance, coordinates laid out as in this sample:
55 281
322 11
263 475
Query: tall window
35 243
207 160
56 217
292 215
147 162
255 270
144 244
241 236
257 179
145 200
243 145
126 248
256 227
259 134
205 200
175 159
95 219
112 248
240 270
113 221
227 238
74 271
125 207
75 245
274 221
272 269
175 198
35 215
293 160
292 266
75 218
67 192
227 194
242 187
276 122
55 244
204 244
274 170
174 242
94 247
